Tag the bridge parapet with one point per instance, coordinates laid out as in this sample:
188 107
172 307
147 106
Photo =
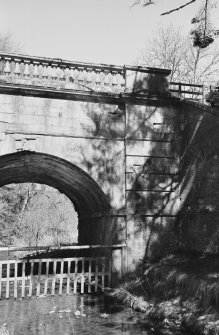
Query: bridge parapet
58 74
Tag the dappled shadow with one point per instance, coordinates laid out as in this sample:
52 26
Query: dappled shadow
105 163
153 178
135 159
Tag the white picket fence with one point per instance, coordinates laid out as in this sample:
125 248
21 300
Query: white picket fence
37 277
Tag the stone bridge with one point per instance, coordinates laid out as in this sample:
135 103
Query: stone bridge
139 163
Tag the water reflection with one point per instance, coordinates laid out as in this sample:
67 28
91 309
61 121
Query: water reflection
55 315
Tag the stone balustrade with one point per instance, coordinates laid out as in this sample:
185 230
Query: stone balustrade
39 73
60 74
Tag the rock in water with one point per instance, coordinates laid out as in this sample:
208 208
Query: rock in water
104 315
77 313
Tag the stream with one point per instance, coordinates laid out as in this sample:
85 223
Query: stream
69 314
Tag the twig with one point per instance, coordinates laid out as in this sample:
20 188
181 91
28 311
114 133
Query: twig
136 3
146 3
178 8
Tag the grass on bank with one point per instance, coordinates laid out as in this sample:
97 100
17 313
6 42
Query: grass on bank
186 276
180 290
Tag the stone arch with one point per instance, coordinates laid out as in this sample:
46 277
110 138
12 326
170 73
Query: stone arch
87 197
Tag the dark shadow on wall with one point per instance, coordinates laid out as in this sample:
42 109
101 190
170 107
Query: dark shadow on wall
152 83
200 187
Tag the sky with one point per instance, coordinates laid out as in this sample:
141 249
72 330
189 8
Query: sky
98 31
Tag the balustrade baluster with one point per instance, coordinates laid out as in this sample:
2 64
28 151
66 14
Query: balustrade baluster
72 75
35 71
49 72
17 68
97 79
121 81
106 81
115 80
26 69
89 76
45 71
81 75
53 72
7 69
85 73
110 76
62 75
102 77
76 75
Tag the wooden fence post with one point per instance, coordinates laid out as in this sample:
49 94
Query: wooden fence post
180 90
15 280
0 280
203 93
122 262
7 282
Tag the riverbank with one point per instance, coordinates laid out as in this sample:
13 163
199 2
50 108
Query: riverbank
179 294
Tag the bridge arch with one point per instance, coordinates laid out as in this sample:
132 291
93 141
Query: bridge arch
85 194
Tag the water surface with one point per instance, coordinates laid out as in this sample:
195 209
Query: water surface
55 315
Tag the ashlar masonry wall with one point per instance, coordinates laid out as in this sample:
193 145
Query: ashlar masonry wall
89 135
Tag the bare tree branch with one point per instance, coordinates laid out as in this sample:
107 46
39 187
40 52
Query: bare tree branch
178 8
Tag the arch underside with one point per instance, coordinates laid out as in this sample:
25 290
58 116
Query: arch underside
26 166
